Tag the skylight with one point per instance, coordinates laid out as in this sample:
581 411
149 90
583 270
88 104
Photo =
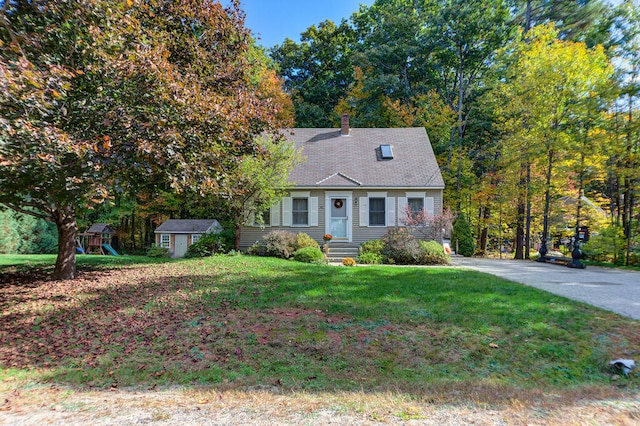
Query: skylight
386 151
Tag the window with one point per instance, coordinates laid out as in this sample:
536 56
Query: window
195 237
377 213
386 151
165 240
266 218
416 205
300 211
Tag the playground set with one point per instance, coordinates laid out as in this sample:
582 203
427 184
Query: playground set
96 240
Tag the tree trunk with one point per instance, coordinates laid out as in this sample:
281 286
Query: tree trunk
237 236
547 204
484 234
65 219
519 240
527 224
133 228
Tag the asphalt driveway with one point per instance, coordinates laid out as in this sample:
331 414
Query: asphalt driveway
615 290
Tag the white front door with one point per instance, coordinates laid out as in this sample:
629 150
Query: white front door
338 218
180 245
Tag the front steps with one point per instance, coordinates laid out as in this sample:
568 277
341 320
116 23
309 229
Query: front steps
337 252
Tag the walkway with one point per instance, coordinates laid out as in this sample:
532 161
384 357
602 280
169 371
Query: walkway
615 290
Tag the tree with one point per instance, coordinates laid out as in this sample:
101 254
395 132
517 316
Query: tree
626 140
546 94
317 71
145 94
262 181
430 227
461 236
391 50
21 233
473 31
584 20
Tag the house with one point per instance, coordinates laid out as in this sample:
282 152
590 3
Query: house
178 234
355 184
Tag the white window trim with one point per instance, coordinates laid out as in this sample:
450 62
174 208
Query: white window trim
416 194
421 195
428 203
300 194
301 225
162 240
386 210
312 209
377 194
196 236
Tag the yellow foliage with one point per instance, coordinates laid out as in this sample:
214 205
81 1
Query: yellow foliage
348 261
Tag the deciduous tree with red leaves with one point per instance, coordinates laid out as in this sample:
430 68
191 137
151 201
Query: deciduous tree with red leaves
97 96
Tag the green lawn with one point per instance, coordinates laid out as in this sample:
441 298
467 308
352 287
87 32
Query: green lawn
245 321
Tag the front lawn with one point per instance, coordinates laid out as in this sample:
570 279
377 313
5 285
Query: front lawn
239 321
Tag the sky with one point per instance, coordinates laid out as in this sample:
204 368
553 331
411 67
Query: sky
274 20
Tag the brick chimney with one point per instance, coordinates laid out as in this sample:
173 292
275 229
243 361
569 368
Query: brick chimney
344 130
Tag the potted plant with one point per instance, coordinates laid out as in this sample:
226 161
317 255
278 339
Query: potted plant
327 239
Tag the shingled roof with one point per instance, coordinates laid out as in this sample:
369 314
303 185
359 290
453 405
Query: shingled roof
100 228
354 160
189 226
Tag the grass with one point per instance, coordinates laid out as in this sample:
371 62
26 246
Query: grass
241 322
611 265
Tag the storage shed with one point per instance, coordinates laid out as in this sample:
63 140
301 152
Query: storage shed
178 234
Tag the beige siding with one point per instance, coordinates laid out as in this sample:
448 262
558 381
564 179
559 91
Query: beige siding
360 234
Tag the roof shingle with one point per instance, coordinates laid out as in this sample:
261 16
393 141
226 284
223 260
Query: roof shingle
338 161
189 226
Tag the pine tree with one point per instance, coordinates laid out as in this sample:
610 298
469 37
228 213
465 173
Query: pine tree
461 236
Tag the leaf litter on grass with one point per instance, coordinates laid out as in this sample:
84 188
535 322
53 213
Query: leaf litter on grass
239 322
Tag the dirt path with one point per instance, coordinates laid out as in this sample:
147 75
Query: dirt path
178 406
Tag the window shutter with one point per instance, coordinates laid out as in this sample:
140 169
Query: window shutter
364 211
313 211
275 214
286 211
402 210
428 206
391 211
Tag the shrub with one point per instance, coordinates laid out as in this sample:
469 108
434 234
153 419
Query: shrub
25 234
227 240
158 251
370 258
207 245
634 257
280 244
348 261
433 254
606 246
257 249
461 238
400 247
372 247
304 240
309 255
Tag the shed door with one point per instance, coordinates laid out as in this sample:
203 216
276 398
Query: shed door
181 245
